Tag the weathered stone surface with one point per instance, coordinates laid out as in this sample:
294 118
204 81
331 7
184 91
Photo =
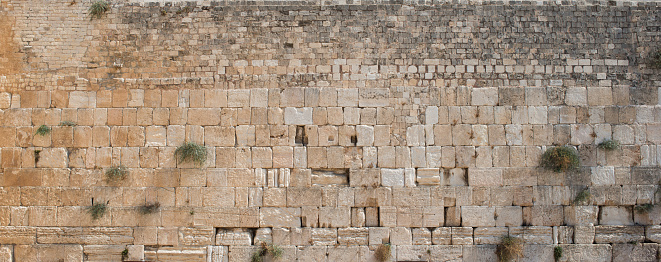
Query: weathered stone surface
619 234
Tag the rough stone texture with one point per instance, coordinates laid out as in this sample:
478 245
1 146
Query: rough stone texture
330 128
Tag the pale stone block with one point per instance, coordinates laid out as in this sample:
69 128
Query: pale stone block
335 116
602 175
409 177
489 235
415 135
258 97
581 215
351 116
484 96
537 115
379 235
443 135
599 96
615 215
292 97
279 217
431 115
429 176
347 97
401 236
381 135
365 135
352 236
5 100
455 177
374 97
334 216
82 99
238 98
477 216
386 156
618 234
462 235
576 96
392 177
510 216
485 177
298 116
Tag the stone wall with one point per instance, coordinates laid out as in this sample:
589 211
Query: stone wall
331 127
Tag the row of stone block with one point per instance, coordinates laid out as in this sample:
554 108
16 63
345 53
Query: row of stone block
329 136
335 157
330 97
349 236
228 213
610 243
572 252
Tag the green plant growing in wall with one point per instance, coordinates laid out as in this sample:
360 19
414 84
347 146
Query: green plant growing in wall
557 253
582 197
150 208
68 123
97 210
609 145
98 8
383 252
36 156
125 254
43 130
560 159
116 173
267 250
509 249
191 151
644 208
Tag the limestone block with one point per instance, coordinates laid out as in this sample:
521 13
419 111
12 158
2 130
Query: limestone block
455 177
350 253
587 253
218 253
365 135
489 235
401 236
543 215
484 96
510 216
428 176
653 233
204 116
635 252
415 135
298 116
323 236
334 216
485 177
462 235
369 177
279 217
245 135
576 96
311 253
18 235
233 237
88 236
347 97
5 100
82 99
373 97
238 98
584 234
54 253
619 234
615 215
352 236
477 216
536 235
392 177
196 236
599 96
53 158
442 236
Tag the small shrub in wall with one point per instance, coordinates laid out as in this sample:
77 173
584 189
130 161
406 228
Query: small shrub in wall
267 250
191 151
43 130
510 249
98 8
609 145
97 210
560 159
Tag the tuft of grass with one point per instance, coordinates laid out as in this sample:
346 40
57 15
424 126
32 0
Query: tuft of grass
125 254
97 210
655 59
560 159
557 253
581 197
609 145
150 208
98 8
117 173
43 130
191 151
267 250
644 208
383 252
68 123
509 249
